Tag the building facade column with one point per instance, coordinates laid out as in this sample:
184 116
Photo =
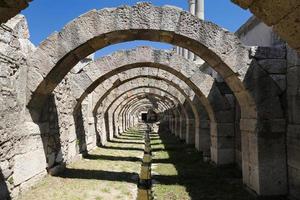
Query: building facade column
185 53
177 50
192 8
199 12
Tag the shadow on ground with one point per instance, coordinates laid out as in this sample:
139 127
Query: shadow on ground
179 172
114 158
100 175
109 172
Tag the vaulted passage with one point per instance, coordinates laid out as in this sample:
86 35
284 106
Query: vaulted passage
214 117
107 173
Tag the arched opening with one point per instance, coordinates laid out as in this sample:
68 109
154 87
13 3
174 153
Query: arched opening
58 54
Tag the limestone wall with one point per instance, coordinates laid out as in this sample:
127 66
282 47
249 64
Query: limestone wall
27 149
16 141
288 80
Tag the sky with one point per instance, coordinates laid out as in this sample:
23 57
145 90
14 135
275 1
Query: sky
47 16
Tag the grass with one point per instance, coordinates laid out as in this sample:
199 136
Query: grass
178 172
107 173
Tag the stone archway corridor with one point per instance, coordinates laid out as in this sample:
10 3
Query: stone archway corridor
112 172
206 114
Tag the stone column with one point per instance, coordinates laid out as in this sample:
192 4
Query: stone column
192 8
181 51
185 53
222 129
199 12
199 9
177 50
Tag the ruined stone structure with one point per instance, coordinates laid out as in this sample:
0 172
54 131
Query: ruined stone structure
283 16
239 106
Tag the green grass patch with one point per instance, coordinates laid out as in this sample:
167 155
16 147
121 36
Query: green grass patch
106 173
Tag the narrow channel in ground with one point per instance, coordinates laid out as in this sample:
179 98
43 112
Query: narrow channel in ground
144 185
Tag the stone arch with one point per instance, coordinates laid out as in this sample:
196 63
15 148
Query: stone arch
103 126
137 85
178 114
183 90
97 72
136 93
178 123
147 22
192 117
145 71
121 116
93 72
156 100
219 48
153 72
134 108
100 70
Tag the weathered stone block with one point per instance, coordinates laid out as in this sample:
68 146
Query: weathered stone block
289 26
28 144
268 52
273 11
243 3
272 163
28 165
72 133
72 150
274 66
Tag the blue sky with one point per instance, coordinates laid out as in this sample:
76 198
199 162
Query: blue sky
47 16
